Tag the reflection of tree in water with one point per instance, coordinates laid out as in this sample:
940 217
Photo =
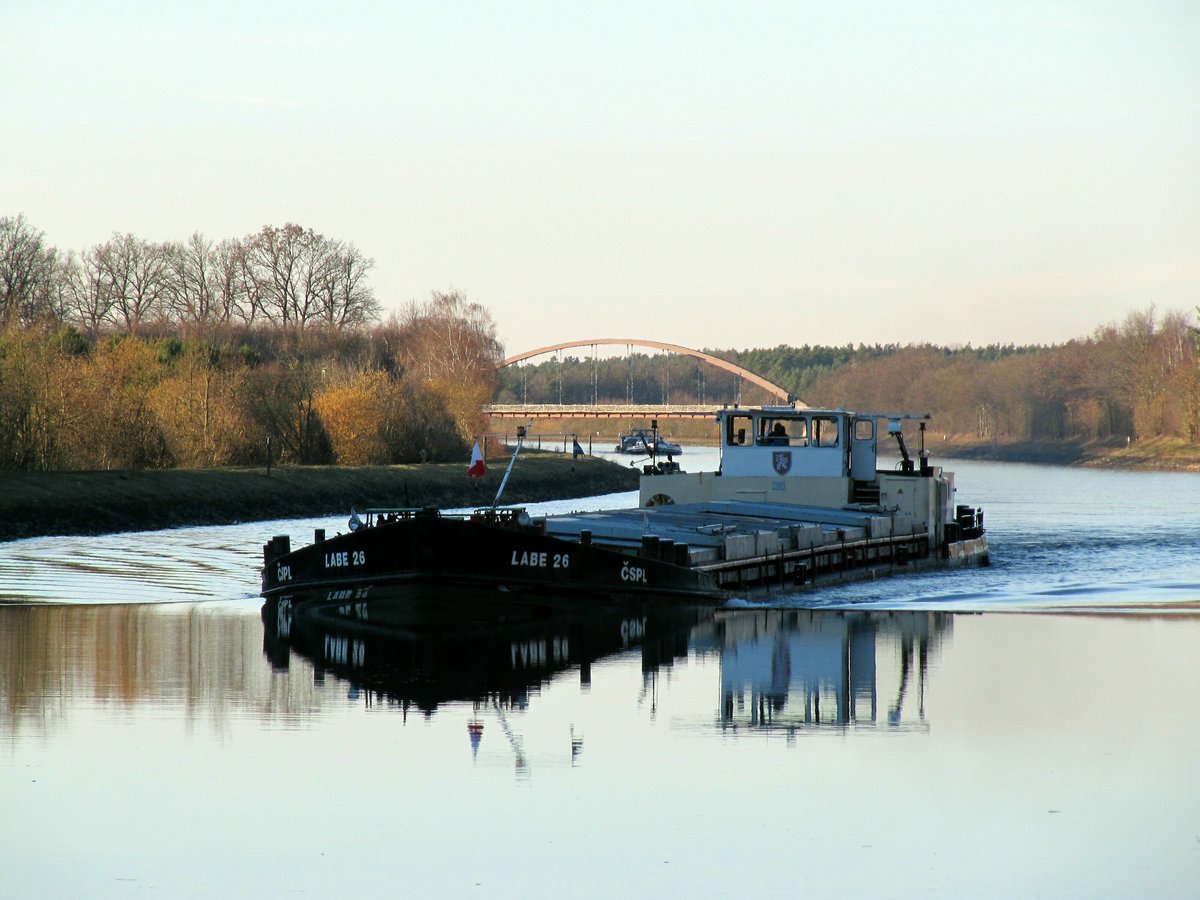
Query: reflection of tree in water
794 669
195 658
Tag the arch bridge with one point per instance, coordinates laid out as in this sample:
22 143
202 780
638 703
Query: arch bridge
628 410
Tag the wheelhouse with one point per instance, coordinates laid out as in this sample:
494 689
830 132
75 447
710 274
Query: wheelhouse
783 441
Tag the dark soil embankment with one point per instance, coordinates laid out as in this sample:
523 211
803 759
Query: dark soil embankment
45 503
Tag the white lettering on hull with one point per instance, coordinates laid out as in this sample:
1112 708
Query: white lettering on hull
634 574
342 558
540 559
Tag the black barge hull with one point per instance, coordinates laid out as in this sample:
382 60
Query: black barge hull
429 547
503 552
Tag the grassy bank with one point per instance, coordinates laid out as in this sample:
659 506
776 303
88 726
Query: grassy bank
45 503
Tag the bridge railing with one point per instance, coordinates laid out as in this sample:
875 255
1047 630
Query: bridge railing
600 411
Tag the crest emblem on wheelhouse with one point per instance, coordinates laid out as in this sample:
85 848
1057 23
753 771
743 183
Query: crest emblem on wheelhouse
782 461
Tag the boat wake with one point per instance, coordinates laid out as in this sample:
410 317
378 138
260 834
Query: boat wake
1048 580
172 566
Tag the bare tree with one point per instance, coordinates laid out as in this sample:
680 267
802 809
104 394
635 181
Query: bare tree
88 290
450 349
242 290
192 281
301 277
276 258
27 271
450 337
316 266
231 297
59 296
138 275
346 300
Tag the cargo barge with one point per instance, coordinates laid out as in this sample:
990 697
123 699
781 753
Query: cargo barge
797 500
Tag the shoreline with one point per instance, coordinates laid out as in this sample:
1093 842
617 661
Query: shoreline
1153 455
39 504
42 504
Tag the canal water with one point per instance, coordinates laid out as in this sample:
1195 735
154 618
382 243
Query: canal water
1029 729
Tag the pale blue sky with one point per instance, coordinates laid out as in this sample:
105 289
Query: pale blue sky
712 174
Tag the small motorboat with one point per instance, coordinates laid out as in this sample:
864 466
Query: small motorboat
646 443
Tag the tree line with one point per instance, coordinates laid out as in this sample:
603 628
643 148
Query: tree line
132 354
283 275
1128 381
1134 379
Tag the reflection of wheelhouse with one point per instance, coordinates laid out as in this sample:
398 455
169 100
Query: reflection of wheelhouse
794 669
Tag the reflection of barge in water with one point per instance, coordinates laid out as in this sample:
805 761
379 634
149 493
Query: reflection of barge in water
780 670
427 647
798 499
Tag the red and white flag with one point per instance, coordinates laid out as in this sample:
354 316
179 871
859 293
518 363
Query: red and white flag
477 468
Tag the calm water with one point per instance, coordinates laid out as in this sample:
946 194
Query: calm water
1031 729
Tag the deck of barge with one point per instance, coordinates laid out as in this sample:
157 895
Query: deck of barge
744 543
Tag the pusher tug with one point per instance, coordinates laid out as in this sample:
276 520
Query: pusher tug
796 501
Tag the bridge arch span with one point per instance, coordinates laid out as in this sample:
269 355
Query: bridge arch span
725 364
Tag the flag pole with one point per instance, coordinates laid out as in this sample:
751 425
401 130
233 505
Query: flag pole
503 481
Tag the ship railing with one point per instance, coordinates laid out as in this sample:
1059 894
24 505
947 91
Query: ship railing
803 564
382 515
501 515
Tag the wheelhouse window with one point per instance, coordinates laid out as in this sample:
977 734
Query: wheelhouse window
825 431
783 432
738 431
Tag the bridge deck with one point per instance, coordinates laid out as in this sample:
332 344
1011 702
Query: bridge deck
599 411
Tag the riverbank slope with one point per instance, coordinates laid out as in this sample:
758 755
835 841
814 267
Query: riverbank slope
46 503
